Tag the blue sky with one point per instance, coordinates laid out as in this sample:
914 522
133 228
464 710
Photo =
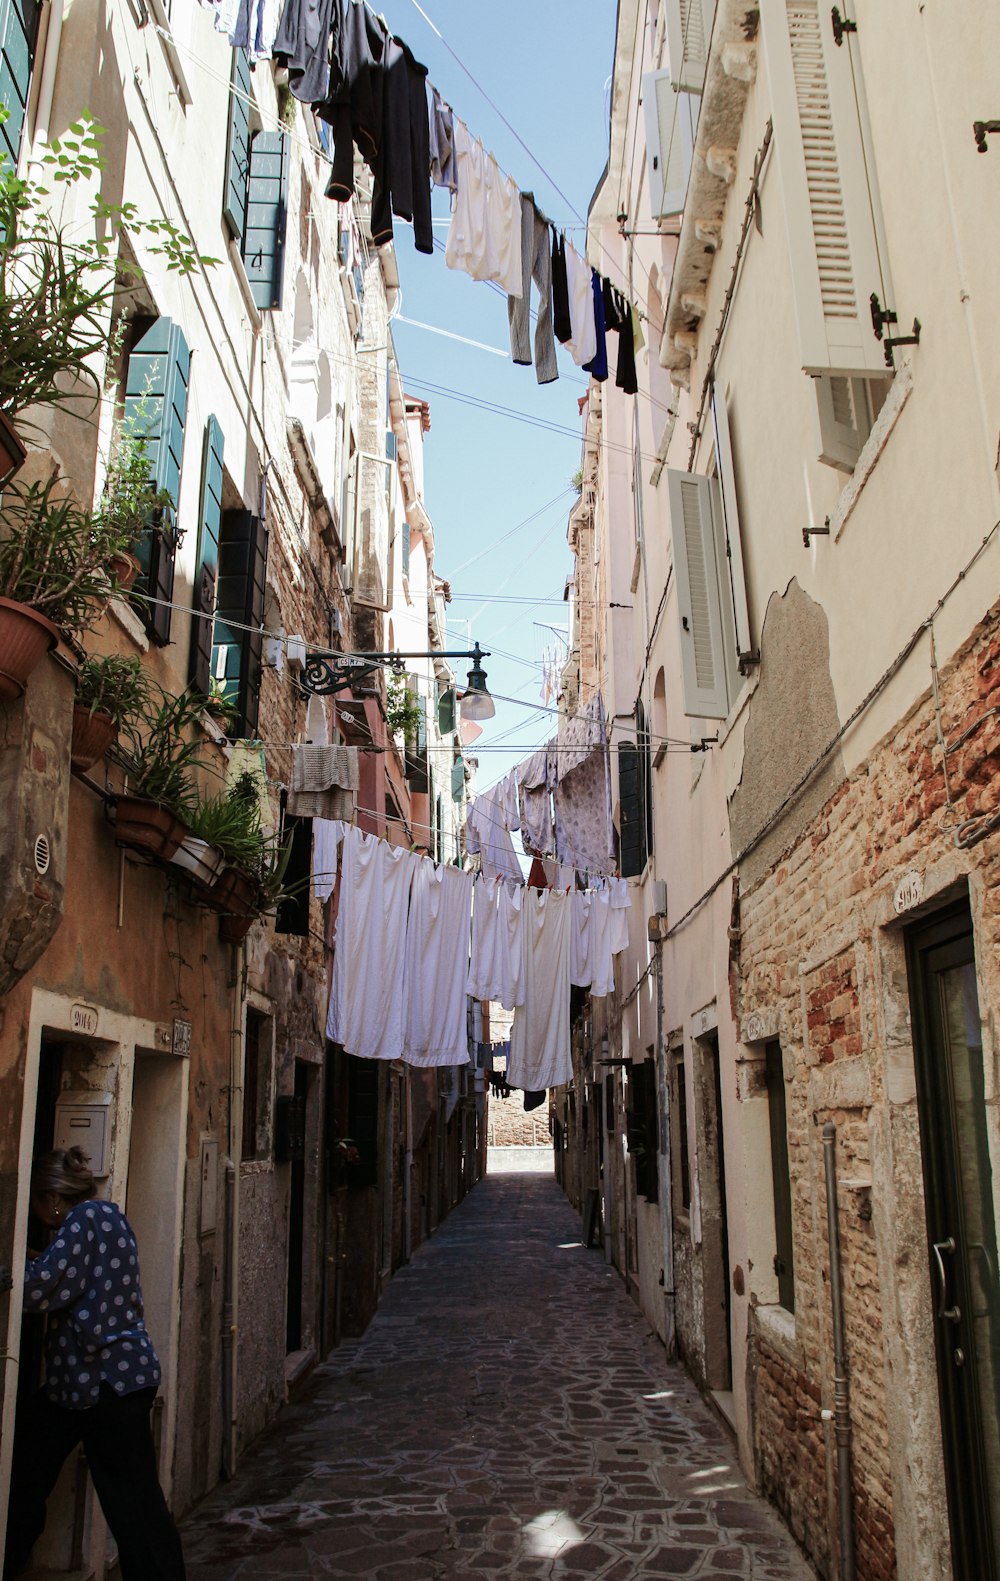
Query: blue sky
546 65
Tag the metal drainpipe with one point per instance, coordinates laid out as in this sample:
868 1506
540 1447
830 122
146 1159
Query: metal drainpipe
841 1385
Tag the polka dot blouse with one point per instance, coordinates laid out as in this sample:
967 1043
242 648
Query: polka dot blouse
88 1282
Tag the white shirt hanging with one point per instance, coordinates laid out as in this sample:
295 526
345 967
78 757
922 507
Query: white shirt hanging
434 968
366 994
540 1054
496 967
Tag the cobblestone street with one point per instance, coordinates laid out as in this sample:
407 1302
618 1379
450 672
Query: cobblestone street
507 1414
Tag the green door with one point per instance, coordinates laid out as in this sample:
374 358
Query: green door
961 1229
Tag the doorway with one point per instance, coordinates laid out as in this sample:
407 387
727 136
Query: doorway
714 1222
961 1230
296 1223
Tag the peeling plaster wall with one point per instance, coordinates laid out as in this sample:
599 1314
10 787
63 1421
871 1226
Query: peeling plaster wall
791 719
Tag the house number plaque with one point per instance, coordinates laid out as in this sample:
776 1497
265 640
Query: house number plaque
83 1018
909 893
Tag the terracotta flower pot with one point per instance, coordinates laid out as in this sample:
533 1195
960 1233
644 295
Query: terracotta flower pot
234 893
92 736
12 450
144 825
25 638
233 930
124 569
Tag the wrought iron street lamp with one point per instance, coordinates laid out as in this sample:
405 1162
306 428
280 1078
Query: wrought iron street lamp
329 672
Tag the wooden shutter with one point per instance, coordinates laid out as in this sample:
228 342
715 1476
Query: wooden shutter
267 205
156 393
446 711
736 590
458 779
842 405
234 202
831 205
702 649
632 853
18 37
207 567
689 32
643 1128
671 120
236 652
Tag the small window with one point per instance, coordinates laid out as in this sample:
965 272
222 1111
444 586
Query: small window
671 123
682 1161
258 1059
783 1258
18 38
847 412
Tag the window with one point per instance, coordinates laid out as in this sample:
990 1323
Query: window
255 200
847 411
18 38
207 569
689 31
671 122
257 1066
829 187
682 1161
716 648
293 910
643 1128
783 1259
156 394
632 822
242 588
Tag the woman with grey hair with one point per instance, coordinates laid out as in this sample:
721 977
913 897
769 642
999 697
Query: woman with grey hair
101 1376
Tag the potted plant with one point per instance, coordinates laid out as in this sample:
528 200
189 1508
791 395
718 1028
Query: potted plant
219 706
109 690
54 559
160 756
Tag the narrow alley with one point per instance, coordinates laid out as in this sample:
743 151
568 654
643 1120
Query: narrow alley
507 1413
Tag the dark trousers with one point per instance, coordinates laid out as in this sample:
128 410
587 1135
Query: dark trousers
116 1438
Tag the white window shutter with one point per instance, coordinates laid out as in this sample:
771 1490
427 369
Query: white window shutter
828 186
733 544
689 33
671 121
843 420
702 649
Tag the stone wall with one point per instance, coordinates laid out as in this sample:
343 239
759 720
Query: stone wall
509 1126
821 958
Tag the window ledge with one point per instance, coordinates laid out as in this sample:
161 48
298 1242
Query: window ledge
129 621
162 23
885 422
776 1325
236 259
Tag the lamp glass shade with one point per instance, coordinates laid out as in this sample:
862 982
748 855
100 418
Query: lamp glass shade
477 704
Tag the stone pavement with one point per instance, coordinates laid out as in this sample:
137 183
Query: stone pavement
507 1414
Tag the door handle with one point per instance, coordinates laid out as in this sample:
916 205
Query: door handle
944 1310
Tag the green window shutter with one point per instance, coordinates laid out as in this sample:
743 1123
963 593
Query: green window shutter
18 37
446 711
156 393
458 779
404 533
264 229
632 856
236 653
234 202
209 527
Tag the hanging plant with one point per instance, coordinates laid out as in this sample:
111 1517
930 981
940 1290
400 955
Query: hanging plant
402 710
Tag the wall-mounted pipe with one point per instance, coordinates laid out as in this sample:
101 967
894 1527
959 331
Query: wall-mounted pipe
841 1384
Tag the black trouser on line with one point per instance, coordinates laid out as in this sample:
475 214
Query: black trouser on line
118 1443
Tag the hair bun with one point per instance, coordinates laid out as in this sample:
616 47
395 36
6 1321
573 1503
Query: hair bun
77 1161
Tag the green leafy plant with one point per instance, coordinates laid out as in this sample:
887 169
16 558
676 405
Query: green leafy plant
57 293
55 556
402 710
112 685
231 821
130 502
159 752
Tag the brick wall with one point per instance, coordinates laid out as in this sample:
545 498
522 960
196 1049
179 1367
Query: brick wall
509 1126
810 950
